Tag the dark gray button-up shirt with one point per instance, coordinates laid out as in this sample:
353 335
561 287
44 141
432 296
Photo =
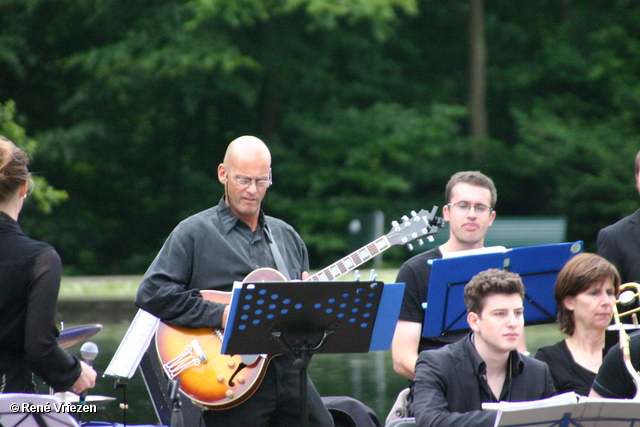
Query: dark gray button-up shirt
211 250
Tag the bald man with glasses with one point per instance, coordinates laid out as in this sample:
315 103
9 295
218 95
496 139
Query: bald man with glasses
213 249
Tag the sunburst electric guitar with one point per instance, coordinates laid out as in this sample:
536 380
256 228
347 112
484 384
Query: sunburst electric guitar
219 381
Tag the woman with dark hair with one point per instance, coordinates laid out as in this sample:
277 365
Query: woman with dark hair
585 293
30 273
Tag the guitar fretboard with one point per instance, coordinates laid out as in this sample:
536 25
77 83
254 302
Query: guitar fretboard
350 262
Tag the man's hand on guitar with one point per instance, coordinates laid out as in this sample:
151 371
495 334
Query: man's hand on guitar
225 316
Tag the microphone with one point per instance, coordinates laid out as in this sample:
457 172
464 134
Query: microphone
88 352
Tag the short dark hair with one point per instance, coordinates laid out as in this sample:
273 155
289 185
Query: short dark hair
476 178
490 282
578 275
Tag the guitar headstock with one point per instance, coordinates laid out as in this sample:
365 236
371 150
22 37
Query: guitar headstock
420 225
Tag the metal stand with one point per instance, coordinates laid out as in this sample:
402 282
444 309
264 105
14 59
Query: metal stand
124 405
302 351
177 419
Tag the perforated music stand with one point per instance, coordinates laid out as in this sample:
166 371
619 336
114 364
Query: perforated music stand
537 265
304 318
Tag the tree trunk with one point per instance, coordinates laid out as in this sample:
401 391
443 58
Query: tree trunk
478 70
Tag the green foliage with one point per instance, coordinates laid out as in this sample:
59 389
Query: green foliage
363 156
362 103
44 194
589 168
323 14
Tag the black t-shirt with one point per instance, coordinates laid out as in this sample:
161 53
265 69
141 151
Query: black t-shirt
415 274
566 373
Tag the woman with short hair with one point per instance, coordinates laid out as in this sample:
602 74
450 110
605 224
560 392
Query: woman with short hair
585 293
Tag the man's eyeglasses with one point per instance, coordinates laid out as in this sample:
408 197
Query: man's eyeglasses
246 182
465 207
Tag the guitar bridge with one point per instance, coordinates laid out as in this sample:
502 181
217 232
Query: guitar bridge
193 355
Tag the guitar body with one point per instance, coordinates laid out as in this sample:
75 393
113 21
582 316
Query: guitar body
221 381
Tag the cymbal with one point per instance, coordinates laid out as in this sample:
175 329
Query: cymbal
72 336
69 397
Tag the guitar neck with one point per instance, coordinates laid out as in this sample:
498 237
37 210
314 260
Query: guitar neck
352 261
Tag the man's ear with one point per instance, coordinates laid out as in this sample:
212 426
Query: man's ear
492 217
446 212
222 174
473 320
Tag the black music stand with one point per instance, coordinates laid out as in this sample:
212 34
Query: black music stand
537 265
304 318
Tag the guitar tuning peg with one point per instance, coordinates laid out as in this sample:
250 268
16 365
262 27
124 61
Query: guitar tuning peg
410 246
405 218
420 242
414 213
395 224
430 239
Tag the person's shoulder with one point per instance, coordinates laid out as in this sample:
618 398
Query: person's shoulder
192 227
452 351
421 258
37 247
273 221
548 351
621 223
202 216
280 225
47 251
532 364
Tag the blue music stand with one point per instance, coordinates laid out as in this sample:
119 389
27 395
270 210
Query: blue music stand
308 317
537 265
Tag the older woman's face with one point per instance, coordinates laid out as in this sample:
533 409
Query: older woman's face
593 308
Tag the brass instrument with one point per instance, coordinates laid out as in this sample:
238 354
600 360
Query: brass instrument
629 292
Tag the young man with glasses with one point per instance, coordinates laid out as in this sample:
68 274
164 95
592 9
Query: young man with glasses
470 197
213 249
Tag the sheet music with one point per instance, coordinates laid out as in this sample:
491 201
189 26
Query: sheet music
479 251
559 399
133 345
568 409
